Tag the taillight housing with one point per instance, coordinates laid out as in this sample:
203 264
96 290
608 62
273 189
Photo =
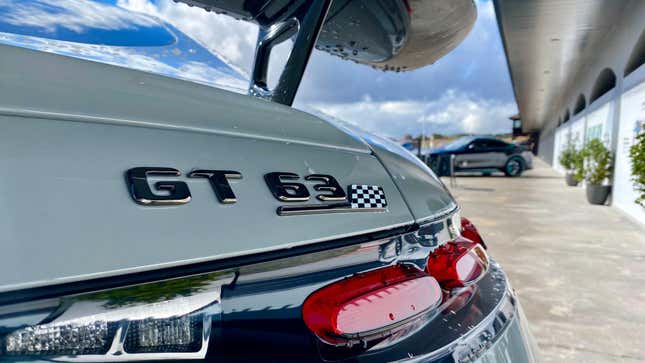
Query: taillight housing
367 307
458 263
469 231
367 304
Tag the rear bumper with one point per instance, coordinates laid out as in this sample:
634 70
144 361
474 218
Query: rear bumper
481 323
514 345
259 310
501 336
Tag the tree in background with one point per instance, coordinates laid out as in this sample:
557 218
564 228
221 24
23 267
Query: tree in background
598 162
637 154
572 160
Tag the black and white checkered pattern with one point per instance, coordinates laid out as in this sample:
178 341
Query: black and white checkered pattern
367 196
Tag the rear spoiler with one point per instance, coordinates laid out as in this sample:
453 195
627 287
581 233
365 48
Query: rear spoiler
392 35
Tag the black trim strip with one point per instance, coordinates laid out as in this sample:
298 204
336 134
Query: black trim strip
293 210
111 282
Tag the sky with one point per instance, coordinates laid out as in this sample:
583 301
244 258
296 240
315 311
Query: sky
467 91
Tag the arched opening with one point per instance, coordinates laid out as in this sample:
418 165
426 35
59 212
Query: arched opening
566 117
637 56
605 82
581 103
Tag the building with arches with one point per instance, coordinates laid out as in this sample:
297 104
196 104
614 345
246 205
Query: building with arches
578 73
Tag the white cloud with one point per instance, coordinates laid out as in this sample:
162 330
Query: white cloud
231 39
203 73
453 112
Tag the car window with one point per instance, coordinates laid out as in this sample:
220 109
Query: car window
458 143
497 143
479 145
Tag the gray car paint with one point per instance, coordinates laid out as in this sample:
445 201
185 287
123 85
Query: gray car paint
481 160
72 127
424 193
60 87
477 159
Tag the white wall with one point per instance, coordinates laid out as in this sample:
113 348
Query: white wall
632 120
556 147
577 133
613 116
562 137
600 123
616 119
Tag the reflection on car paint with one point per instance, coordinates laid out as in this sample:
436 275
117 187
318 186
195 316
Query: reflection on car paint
118 36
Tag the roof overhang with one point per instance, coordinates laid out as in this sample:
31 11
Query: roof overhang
548 44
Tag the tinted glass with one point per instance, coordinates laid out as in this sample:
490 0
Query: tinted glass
458 143
480 144
497 144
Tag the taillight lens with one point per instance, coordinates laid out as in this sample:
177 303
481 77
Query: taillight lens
375 304
366 304
458 263
469 231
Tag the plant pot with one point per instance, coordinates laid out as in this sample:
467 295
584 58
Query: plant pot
598 194
570 177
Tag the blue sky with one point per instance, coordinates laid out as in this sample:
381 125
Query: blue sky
467 91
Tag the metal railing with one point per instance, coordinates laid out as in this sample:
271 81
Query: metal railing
453 177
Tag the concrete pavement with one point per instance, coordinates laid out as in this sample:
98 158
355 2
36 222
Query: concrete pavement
579 269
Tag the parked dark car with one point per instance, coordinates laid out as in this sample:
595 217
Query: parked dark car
481 154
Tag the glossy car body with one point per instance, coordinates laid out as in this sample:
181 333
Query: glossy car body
480 154
89 273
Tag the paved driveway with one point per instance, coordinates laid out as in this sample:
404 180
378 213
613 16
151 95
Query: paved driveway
579 269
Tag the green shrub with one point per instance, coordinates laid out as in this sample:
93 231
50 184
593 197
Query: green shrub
571 159
637 154
598 160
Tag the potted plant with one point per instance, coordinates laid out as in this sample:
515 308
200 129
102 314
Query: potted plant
637 155
597 171
571 160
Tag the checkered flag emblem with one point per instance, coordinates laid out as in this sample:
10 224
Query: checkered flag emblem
367 197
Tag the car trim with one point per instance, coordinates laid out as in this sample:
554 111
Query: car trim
440 215
114 281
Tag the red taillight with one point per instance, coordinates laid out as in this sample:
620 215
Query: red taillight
460 262
369 303
469 231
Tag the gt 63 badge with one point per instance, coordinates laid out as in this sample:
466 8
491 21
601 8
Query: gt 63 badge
284 186
362 198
